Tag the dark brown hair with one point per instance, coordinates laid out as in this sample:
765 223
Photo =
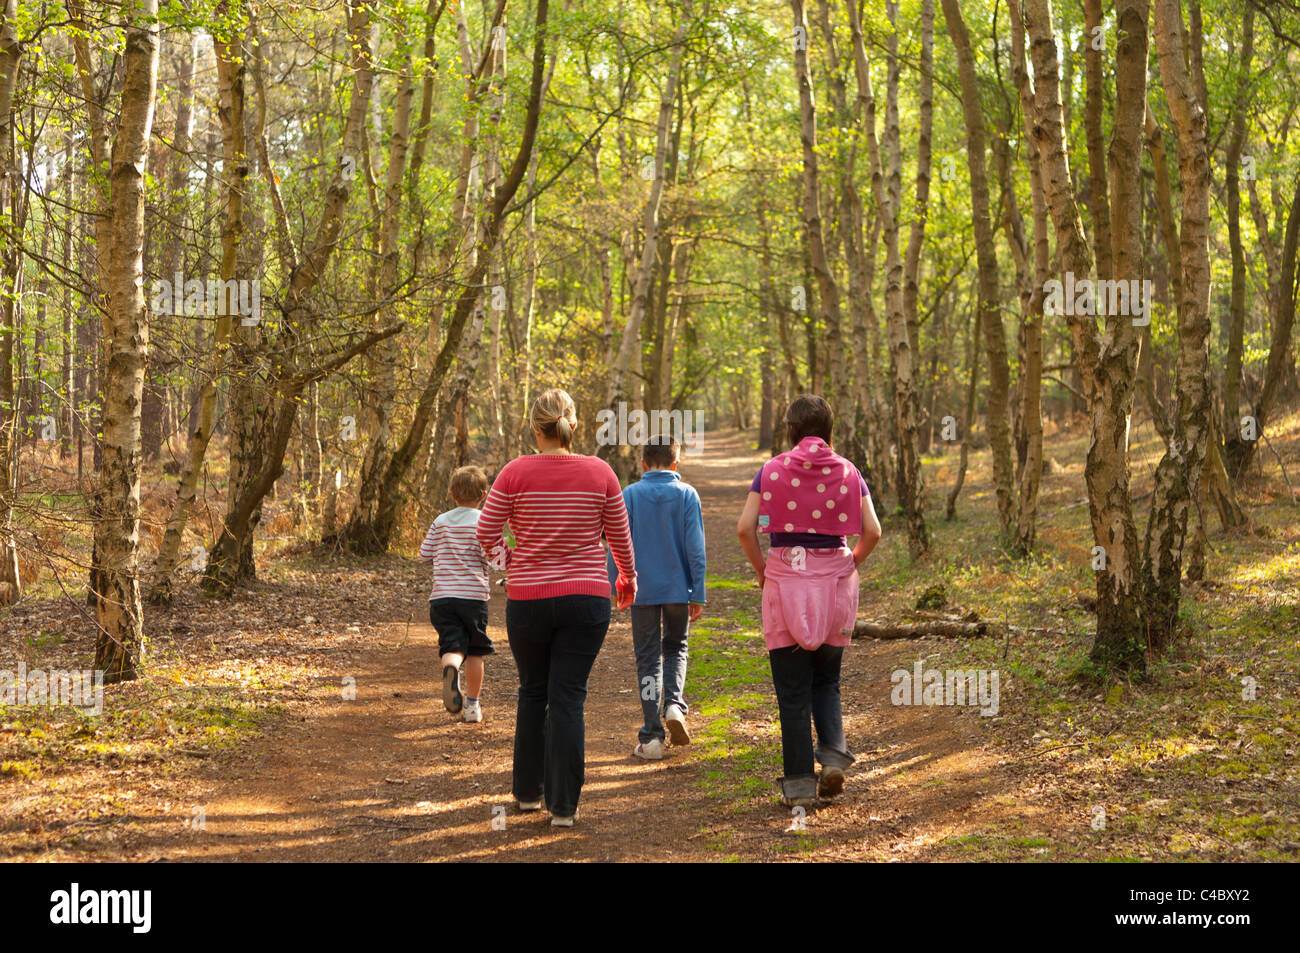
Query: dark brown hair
468 484
809 416
661 452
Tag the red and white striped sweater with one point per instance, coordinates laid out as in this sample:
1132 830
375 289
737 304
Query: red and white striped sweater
558 505
459 564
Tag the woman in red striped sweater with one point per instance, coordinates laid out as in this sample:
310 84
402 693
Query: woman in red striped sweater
558 504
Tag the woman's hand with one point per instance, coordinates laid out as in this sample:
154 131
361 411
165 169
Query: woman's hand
626 589
498 556
762 578
696 610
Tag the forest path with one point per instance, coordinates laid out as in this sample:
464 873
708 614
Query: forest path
392 776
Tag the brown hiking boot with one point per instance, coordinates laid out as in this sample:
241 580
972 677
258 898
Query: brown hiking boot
830 783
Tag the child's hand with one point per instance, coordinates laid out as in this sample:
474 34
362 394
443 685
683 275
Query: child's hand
696 610
762 578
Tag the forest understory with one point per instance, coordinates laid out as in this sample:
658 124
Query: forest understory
274 274
237 744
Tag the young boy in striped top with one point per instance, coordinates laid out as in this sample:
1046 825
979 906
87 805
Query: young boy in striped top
458 604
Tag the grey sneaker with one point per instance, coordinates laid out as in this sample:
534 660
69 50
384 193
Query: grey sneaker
451 696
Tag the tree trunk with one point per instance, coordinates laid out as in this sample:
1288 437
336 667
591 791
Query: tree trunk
916 237
1237 299
383 358
230 60
968 424
100 213
1093 107
987 263
11 253
936 628
873 400
684 253
524 367
438 482
119 612
1031 367
1178 475
631 340
828 289
390 496
263 414
1107 381
903 355
840 394
1239 451
67 373
170 256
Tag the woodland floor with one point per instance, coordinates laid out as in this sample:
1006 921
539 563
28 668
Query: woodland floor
238 744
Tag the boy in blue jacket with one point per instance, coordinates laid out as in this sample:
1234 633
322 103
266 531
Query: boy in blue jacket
668 539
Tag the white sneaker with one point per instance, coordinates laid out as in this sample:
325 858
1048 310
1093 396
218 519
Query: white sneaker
473 711
652 750
675 721
558 821
529 805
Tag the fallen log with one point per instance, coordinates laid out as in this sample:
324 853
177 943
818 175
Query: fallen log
971 616
943 628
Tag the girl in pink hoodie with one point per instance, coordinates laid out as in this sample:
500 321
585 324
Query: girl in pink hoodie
810 499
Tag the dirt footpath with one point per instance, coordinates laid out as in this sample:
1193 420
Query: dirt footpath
390 775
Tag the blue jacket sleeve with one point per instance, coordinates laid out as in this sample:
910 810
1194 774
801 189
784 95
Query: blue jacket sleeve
695 557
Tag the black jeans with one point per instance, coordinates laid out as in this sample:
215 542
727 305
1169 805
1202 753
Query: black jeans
808 685
555 642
